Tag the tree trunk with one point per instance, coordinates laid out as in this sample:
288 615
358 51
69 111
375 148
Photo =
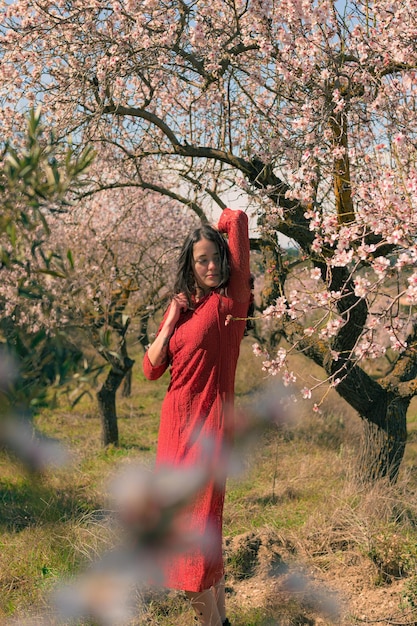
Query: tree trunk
127 384
127 363
383 443
107 402
384 417
382 406
143 330
275 273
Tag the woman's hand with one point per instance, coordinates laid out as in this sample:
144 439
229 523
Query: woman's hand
179 303
157 352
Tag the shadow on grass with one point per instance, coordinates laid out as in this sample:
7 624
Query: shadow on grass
30 503
141 447
274 499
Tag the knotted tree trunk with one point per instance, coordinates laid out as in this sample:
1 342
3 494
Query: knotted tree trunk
384 420
383 442
127 385
382 405
106 397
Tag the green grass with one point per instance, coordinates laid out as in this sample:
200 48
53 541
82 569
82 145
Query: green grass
296 486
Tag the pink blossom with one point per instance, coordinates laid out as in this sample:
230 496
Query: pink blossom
342 258
338 152
276 310
362 286
397 345
257 350
288 378
411 294
373 322
412 280
380 266
315 273
332 327
396 236
403 260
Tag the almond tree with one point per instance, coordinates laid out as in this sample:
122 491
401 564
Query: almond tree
34 180
74 274
123 246
34 177
83 272
308 107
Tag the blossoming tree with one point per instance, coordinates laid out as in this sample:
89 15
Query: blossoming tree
307 106
35 177
83 271
74 273
122 269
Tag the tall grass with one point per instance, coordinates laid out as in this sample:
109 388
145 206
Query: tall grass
294 509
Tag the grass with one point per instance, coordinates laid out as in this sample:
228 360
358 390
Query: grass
295 500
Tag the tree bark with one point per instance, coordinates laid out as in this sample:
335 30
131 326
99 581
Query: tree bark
382 405
127 385
106 397
383 443
275 273
384 418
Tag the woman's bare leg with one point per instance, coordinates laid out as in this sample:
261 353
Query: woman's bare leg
220 595
204 604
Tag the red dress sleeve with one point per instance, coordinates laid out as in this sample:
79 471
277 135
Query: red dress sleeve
152 372
235 225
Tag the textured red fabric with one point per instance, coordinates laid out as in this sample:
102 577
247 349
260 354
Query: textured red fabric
197 412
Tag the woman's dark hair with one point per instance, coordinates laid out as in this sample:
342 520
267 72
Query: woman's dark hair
185 280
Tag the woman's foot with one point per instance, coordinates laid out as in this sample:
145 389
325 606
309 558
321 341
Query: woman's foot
205 605
225 623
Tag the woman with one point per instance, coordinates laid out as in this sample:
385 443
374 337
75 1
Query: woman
201 347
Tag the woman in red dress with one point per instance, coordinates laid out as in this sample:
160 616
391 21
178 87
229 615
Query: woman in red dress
202 348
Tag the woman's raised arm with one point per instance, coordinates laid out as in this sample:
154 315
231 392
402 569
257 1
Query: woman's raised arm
234 223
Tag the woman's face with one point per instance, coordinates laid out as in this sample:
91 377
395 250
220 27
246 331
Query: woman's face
206 264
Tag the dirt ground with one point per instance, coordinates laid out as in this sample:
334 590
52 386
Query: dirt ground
266 571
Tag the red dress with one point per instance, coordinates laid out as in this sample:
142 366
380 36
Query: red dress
197 408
